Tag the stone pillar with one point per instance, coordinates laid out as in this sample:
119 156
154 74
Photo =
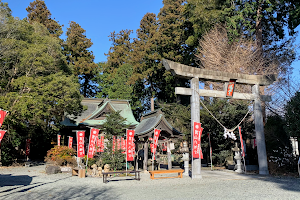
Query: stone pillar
169 155
259 131
145 156
195 116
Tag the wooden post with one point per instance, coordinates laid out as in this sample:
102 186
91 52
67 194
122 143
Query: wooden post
169 155
195 117
145 156
260 135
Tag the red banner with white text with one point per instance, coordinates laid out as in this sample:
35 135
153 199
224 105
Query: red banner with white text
100 144
114 144
197 132
130 145
70 142
93 138
80 143
155 141
58 139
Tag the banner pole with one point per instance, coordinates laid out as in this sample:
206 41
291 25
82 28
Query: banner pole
87 156
192 149
153 151
210 152
126 152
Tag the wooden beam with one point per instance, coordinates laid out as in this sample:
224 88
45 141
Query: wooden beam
188 72
221 94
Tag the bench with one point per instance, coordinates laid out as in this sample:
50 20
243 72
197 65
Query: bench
136 174
179 171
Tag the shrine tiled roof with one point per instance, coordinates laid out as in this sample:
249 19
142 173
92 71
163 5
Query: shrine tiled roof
152 120
96 110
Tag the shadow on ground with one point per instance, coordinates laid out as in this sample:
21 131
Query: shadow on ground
10 180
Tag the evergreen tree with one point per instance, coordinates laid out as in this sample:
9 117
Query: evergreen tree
38 12
36 86
147 66
80 58
292 116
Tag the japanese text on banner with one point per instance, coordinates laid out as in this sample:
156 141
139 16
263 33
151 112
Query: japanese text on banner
155 141
80 144
100 144
197 132
130 145
92 141
70 142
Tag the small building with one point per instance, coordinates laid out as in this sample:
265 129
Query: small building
94 115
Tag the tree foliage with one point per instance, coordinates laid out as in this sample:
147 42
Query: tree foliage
38 12
37 87
292 116
80 58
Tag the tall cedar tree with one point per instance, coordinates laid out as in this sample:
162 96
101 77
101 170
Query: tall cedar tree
200 16
171 45
80 58
120 52
38 12
146 59
119 60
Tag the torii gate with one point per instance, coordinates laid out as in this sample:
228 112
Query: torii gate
194 74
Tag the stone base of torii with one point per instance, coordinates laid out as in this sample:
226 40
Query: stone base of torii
194 74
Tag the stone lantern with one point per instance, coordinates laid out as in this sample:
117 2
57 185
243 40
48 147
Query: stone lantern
238 159
185 157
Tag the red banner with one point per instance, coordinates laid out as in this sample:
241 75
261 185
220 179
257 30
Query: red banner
70 142
100 144
2 134
230 88
118 143
114 144
130 145
155 141
28 146
58 139
2 116
93 137
242 142
80 143
197 132
164 146
123 145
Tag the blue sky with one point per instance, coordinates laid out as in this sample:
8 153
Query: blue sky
98 17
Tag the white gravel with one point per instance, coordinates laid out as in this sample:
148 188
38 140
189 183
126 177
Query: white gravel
33 183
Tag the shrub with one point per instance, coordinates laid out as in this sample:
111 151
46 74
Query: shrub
61 155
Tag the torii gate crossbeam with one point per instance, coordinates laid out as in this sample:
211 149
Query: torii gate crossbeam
194 74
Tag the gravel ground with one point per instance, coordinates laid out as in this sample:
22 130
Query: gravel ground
33 183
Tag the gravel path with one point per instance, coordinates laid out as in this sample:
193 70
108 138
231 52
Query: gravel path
32 183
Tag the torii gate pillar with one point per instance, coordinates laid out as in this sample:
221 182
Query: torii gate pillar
259 132
192 73
195 117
